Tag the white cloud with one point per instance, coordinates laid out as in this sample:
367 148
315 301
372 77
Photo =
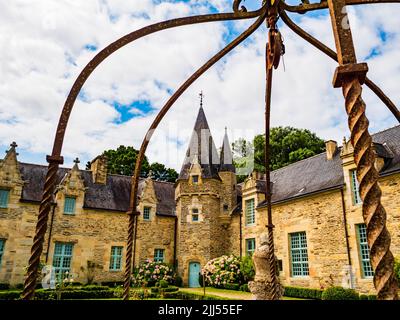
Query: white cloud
45 51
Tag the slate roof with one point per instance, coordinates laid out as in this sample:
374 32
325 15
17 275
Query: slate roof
226 157
201 145
114 195
317 174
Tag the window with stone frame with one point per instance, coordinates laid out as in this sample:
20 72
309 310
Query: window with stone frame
366 268
159 255
195 179
355 191
4 196
147 213
116 258
69 205
195 215
250 246
2 245
250 217
62 258
298 254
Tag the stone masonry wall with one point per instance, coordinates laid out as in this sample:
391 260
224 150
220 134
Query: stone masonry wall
207 238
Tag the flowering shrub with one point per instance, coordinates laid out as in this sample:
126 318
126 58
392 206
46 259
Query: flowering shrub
223 271
150 272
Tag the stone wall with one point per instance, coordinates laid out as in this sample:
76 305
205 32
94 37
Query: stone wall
17 227
390 186
321 217
234 235
200 241
155 234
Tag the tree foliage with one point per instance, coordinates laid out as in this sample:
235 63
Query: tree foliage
287 145
123 159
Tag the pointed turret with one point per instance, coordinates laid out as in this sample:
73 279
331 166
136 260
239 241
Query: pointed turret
202 148
226 158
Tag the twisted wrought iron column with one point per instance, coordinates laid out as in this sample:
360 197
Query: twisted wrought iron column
350 75
41 227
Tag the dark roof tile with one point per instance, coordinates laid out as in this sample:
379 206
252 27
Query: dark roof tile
114 195
316 173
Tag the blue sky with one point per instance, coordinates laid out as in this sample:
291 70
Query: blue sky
48 43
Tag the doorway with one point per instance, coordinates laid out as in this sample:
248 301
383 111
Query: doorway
194 271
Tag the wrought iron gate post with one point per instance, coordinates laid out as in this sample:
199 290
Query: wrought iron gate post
350 75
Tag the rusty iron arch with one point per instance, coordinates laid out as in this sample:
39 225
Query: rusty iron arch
349 75
55 159
154 125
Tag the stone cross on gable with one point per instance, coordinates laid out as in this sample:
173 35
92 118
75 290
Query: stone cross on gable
76 161
13 145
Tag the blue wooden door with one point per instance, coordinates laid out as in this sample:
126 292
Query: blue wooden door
194 270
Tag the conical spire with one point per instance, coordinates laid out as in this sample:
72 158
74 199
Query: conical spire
201 145
226 158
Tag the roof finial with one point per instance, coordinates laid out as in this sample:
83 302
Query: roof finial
76 161
226 129
201 95
13 145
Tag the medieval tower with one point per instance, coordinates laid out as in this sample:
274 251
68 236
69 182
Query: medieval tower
205 195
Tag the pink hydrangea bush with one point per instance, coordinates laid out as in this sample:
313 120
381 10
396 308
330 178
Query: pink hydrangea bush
151 272
223 271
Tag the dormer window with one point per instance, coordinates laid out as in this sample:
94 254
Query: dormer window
4 195
195 215
69 205
250 218
146 213
195 179
355 187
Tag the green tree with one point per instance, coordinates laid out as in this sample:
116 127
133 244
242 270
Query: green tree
123 159
243 154
287 145
160 172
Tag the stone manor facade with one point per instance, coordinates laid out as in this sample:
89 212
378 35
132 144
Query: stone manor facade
320 237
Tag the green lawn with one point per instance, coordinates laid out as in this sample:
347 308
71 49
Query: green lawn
224 293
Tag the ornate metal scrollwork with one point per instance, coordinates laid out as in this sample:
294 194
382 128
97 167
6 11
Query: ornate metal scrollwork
236 4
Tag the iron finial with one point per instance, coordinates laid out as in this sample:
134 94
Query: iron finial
201 95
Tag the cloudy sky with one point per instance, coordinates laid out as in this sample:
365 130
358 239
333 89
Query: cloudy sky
46 43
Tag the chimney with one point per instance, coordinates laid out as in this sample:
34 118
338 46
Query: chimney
98 166
331 147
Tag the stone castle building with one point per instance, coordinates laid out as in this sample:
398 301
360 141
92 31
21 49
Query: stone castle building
320 237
